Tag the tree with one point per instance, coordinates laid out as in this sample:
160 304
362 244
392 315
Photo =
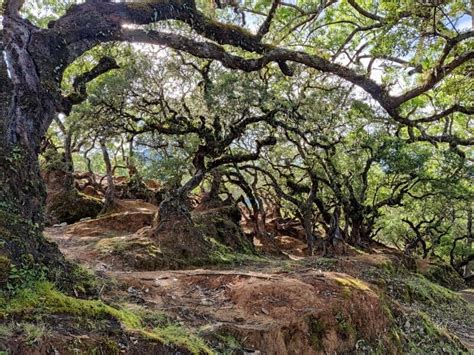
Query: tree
35 60
209 113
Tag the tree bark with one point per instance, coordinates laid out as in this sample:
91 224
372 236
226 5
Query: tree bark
308 229
110 192
27 107
175 206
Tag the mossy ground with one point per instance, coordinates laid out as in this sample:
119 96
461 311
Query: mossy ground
422 310
443 274
423 313
43 301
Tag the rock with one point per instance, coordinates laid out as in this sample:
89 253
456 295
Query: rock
71 206
207 302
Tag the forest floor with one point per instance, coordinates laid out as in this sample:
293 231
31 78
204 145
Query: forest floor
274 306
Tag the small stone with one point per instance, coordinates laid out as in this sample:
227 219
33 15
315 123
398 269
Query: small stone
207 302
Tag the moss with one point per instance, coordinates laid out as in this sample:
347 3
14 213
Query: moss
221 254
222 225
84 282
419 335
445 275
109 346
34 333
227 344
44 299
346 292
52 160
351 282
344 327
173 334
416 331
6 331
422 290
23 243
388 266
386 310
396 337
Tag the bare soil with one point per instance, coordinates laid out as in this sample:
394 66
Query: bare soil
275 307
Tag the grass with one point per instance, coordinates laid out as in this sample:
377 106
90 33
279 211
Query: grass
173 334
316 332
34 332
6 330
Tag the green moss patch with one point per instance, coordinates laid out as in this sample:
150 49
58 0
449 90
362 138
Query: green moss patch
421 290
445 275
317 331
44 299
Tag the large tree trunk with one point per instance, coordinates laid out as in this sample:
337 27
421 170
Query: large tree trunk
360 232
26 111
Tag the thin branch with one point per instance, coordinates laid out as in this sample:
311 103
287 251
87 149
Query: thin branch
265 27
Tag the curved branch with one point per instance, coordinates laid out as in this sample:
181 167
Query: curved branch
448 111
80 92
364 12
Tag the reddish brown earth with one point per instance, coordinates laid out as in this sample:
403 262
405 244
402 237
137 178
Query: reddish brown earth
270 309
298 309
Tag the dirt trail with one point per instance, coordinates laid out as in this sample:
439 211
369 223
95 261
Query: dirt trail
275 311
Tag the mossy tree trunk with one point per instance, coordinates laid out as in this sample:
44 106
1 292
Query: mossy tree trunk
27 107
31 70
